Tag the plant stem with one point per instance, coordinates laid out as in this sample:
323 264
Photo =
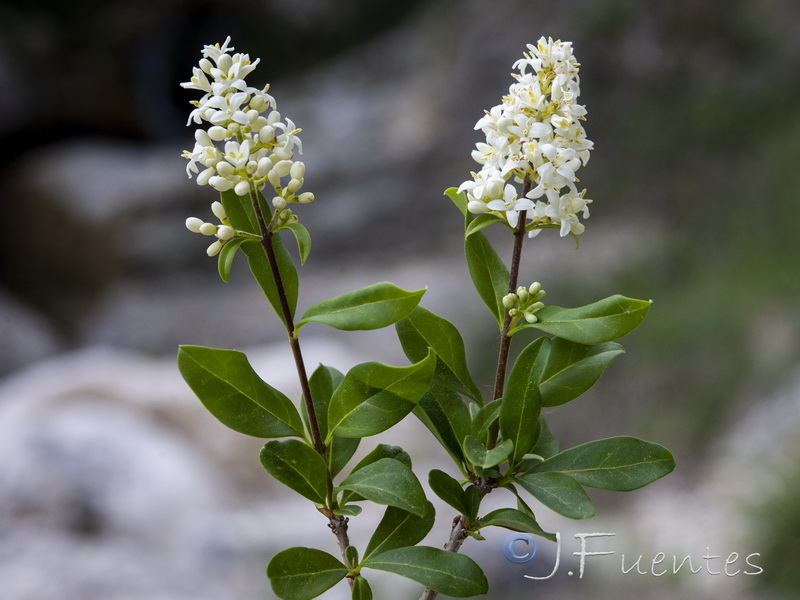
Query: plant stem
338 525
288 320
505 338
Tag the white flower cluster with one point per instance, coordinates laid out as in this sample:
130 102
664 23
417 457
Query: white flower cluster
246 143
535 134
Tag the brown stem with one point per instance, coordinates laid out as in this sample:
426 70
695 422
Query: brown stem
338 525
288 320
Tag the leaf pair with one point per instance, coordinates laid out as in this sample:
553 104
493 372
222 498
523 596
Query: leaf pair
304 573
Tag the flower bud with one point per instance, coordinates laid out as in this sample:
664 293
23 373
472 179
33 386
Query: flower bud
282 168
202 138
279 203
242 188
206 65
305 198
217 133
208 229
225 232
298 170
218 210
224 62
530 317
534 288
266 133
193 224
510 301
493 189
225 169
476 207
214 248
294 186
205 175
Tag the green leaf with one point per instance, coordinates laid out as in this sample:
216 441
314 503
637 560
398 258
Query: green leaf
445 572
421 330
351 553
323 382
482 221
231 390
351 510
458 198
484 418
522 403
298 466
226 255
303 573
377 453
303 239
372 307
515 520
400 528
388 481
240 214
449 490
567 369
559 492
602 321
361 589
374 397
620 464
547 445
444 413
484 458
489 274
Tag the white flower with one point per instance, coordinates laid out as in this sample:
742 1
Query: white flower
510 204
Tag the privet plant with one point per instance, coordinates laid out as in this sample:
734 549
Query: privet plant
535 143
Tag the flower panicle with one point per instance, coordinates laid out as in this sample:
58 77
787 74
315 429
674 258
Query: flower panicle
535 133
242 142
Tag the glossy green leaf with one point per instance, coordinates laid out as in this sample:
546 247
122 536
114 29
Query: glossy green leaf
303 239
231 390
559 492
298 466
377 453
373 397
449 490
483 221
372 307
421 330
225 256
603 321
350 510
488 272
303 573
522 403
484 458
323 382
444 413
619 464
484 418
567 369
390 482
361 589
547 444
240 214
399 528
445 572
458 198
515 520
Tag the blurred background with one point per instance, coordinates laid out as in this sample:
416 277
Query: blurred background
115 483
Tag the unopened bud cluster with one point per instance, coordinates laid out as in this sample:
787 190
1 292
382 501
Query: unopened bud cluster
525 302
534 134
246 144
223 232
